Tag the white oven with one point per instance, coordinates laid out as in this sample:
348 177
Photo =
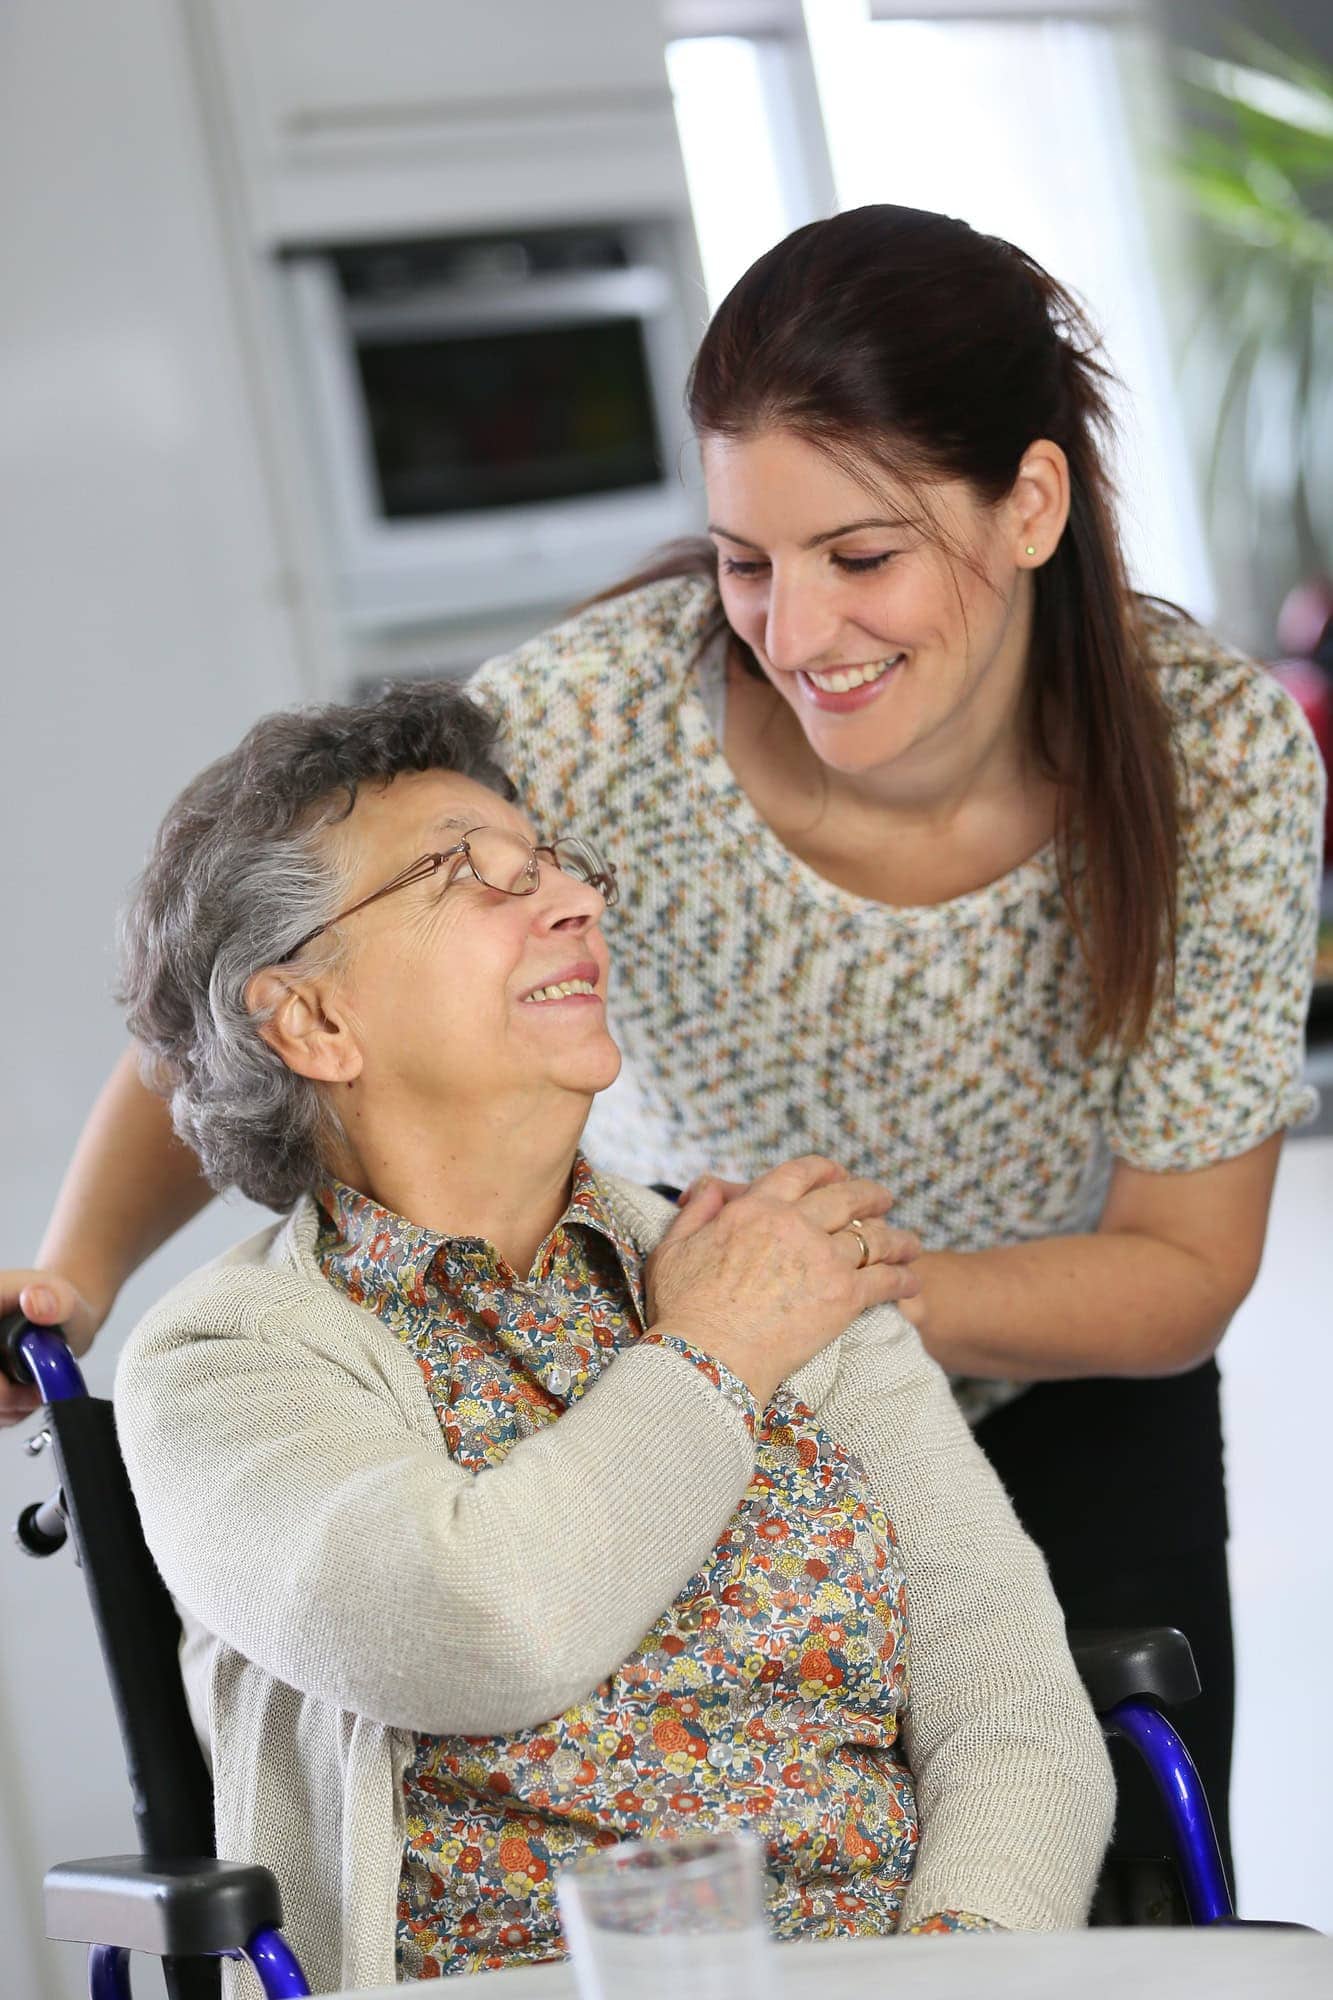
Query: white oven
494 419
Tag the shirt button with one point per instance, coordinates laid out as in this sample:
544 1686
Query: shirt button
558 1381
689 1621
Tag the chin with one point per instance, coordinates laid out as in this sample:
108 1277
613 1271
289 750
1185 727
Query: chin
595 1070
608 1069
853 753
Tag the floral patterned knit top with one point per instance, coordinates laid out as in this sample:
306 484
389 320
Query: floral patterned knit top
763 1011
768 1696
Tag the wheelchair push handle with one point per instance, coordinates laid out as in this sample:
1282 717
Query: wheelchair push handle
40 1356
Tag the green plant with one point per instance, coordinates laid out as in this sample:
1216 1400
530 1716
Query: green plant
1257 172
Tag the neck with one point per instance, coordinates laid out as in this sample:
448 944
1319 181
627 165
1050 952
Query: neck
985 764
498 1170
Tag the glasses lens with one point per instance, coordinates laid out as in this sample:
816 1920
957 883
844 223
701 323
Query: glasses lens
503 860
581 858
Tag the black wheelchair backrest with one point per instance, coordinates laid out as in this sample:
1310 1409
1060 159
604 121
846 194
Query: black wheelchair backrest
139 1633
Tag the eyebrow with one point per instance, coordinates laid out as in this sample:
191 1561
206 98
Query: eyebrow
817 541
451 824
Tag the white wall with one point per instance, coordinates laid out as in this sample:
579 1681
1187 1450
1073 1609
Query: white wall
144 626
1277 1391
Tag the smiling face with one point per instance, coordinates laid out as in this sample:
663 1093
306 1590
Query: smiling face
892 640
463 1001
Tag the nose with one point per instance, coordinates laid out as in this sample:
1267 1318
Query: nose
801 623
562 902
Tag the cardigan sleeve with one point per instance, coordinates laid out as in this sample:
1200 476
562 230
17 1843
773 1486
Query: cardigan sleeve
1013 1781
308 1514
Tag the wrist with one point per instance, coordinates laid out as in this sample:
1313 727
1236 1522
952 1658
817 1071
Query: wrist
943 1278
95 1284
755 1375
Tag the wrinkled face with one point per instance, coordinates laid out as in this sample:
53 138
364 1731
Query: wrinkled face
449 984
881 641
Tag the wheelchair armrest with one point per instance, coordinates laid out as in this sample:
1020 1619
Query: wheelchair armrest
171 1909
1153 1661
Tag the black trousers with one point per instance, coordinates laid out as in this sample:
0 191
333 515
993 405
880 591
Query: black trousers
1121 1486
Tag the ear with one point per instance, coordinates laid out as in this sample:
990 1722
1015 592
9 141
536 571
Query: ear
303 1023
1038 503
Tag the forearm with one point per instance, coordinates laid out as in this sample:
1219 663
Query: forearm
1115 1303
299 1500
130 1185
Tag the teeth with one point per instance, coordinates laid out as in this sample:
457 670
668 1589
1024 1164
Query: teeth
563 991
843 679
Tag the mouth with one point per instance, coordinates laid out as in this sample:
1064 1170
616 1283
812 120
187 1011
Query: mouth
576 983
839 689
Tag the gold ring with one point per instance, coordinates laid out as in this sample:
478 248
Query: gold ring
856 1228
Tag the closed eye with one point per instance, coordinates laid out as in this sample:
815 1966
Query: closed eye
861 565
849 565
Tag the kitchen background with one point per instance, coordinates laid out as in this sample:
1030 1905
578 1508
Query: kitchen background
247 240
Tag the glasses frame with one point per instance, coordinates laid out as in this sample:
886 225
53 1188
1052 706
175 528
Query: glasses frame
426 865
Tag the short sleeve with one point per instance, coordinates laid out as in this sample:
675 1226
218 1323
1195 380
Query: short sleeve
1221 1069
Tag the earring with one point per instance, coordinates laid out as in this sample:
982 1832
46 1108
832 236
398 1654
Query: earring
1030 550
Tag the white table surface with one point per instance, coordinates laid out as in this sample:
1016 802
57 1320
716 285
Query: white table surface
1077 1965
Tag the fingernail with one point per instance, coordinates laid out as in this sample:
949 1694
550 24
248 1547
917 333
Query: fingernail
40 1303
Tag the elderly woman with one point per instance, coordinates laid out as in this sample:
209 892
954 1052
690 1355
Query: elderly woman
512 1513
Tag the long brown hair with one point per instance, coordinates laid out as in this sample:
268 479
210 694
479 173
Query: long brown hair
905 342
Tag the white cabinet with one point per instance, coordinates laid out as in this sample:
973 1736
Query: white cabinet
367 117
345 123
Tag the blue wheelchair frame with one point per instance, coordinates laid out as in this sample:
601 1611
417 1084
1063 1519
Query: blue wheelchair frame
121 1889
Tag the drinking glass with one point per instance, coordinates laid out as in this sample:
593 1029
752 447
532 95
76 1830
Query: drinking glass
658 1919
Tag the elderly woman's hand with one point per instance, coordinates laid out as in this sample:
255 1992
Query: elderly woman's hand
47 1300
764 1278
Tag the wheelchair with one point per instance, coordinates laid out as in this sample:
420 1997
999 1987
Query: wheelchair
177 1902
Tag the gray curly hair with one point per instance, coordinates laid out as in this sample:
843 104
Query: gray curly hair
242 868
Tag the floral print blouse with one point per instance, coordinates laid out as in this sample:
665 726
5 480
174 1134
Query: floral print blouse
763 1011
769 1696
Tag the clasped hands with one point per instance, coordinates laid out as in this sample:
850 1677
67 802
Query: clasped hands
763 1276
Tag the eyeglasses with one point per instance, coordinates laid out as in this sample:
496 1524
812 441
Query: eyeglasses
499 860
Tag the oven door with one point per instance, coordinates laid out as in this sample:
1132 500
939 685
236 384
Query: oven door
487 445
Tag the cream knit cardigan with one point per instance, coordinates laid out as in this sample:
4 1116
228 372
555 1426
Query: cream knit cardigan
344 1585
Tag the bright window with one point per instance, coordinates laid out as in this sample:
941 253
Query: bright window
1018 127
731 165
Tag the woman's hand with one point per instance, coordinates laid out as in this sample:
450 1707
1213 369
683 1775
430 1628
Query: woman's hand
904 1250
763 1278
47 1300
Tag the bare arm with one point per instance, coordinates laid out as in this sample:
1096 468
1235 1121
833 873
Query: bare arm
130 1185
1150 1293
